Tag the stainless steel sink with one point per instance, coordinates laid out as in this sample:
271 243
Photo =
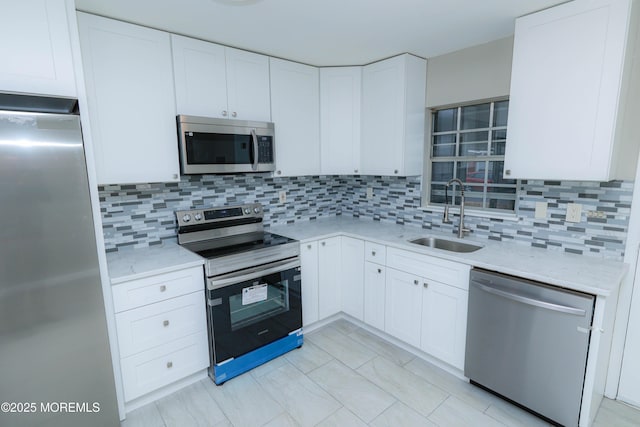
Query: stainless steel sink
446 245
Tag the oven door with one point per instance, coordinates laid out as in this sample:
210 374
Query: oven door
254 307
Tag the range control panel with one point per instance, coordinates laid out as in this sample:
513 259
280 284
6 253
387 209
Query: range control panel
222 214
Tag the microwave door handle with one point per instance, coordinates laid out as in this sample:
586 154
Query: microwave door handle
254 139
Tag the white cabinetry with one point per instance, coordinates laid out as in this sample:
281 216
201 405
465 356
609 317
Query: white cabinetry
374 284
162 330
403 306
131 102
444 322
329 274
36 47
217 81
573 98
443 293
340 98
309 268
374 294
295 109
352 277
393 114
416 298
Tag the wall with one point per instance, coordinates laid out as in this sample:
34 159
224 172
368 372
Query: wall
478 72
141 215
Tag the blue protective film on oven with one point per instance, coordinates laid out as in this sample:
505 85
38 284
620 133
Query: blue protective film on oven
246 362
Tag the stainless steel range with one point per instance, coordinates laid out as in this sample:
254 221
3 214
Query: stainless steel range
254 304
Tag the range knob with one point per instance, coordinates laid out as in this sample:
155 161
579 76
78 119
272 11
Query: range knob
256 209
197 217
186 218
247 211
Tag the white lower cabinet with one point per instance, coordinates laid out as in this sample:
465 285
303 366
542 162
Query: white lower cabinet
353 277
416 298
162 329
403 306
309 269
329 277
444 322
374 294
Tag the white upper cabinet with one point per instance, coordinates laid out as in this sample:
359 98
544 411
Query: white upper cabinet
131 103
200 74
295 112
36 47
218 81
248 94
393 114
573 101
340 99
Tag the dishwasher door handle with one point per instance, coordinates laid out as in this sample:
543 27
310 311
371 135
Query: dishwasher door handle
531 301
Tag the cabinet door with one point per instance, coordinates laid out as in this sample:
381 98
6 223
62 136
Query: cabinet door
403 306
374 294
36 48
352 277
248 92
129 79
295 108
382 117
444 322
340 93
565 82
200 75
329 263
309 269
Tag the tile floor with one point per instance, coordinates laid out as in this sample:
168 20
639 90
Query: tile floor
344 376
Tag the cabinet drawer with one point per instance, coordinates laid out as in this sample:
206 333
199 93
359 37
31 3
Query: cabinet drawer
137 293
374 252
156 324
440 270
152 369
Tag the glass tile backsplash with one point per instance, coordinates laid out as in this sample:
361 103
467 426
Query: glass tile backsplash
143 214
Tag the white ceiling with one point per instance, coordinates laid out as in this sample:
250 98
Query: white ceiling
329 32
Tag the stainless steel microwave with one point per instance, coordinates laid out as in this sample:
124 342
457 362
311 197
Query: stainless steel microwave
209 145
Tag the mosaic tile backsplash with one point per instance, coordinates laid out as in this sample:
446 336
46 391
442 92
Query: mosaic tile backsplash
143 214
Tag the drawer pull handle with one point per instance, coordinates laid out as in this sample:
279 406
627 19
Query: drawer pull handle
373 253
425 284
169 365
379 270
308 246
163 288
415 282
165 323
324 243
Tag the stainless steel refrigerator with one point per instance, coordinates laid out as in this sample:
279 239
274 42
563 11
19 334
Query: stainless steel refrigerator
55 362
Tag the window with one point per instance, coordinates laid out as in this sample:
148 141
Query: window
467 142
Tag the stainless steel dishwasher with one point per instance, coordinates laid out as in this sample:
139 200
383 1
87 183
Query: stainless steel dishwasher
528 342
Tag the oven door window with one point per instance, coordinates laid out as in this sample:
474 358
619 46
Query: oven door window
249 314
258 302
218 149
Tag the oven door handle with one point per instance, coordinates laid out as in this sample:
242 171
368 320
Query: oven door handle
252 273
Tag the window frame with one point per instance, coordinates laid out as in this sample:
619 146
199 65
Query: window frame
429 160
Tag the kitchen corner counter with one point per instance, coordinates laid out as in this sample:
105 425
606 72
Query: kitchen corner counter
577 272
131 264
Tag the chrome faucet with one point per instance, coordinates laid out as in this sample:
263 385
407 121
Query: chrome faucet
445 217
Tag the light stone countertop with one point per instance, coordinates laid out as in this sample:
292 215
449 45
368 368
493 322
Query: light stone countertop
581 273
137 263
